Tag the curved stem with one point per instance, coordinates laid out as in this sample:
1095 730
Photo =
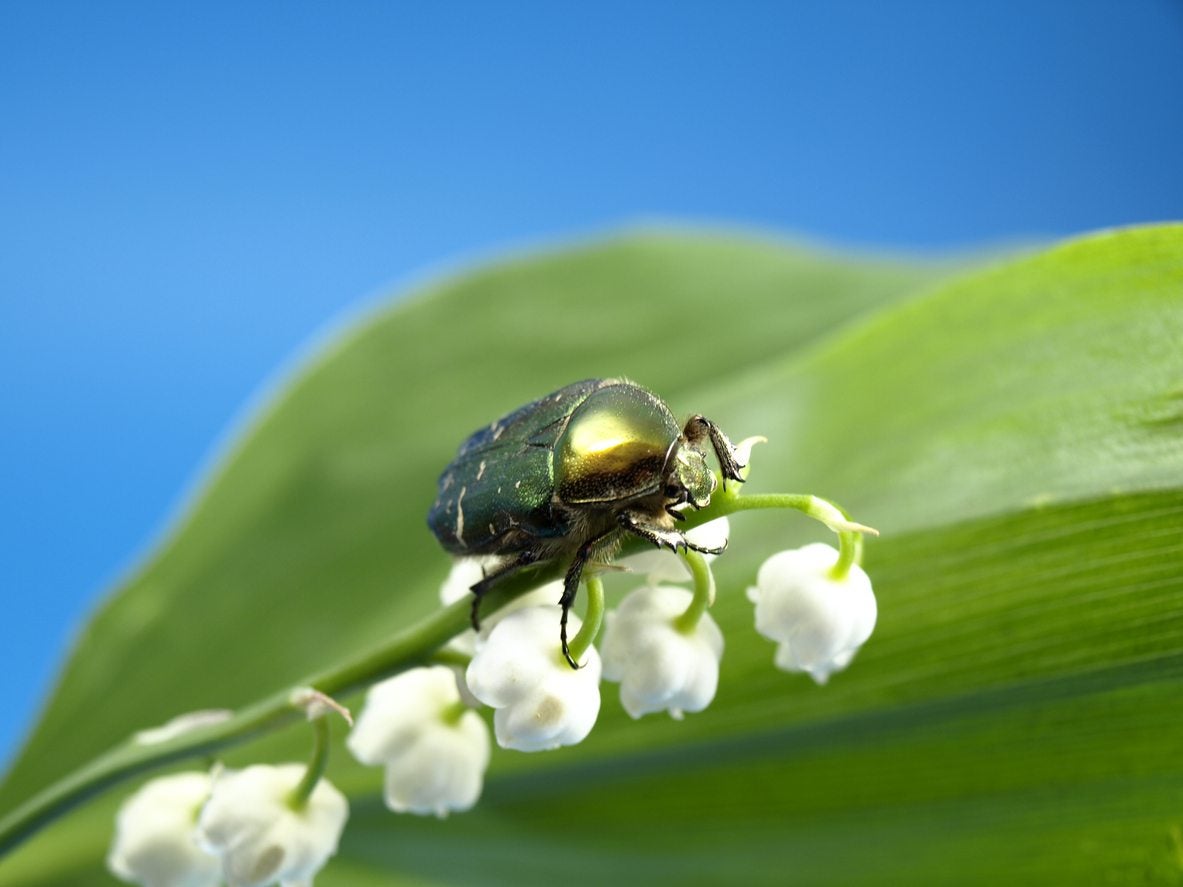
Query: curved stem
704 592
592 619
414 646
316 766
850 534
420 644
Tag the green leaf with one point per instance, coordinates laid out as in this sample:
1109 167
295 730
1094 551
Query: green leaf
1013 432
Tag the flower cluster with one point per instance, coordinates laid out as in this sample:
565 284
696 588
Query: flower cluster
264 824
279 824
240 827
659 644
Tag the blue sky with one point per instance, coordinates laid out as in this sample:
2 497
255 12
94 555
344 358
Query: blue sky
189 194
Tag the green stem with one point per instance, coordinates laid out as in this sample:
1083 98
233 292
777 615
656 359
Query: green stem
850 552
454 712
316 766
592 620
454 658
850 535
704 585
415 646
420 644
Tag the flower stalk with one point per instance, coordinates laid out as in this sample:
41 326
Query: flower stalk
419 644
316 765
704 592
592 620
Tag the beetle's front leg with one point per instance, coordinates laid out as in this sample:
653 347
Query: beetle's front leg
661 537
699 428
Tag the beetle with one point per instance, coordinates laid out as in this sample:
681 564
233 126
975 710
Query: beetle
569 475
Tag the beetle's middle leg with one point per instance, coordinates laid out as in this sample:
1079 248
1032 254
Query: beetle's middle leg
519 561
571 586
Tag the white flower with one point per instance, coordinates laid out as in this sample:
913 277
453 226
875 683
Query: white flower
519 670
435 752
658 665
261 838
661 565
818 622
465 573
155 835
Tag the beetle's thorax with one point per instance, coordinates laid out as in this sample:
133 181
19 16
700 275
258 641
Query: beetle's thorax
614 449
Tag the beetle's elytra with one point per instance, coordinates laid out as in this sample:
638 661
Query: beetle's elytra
566 476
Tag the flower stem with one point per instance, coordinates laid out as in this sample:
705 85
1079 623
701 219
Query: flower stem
316 766
419 644
591 620
704 592
850 534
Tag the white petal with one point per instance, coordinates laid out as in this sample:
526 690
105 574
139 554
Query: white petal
155 835
435 762
659 667
818 622
261 839
541 701
465 573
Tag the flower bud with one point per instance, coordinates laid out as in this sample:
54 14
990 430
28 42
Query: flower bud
540 701
659 666
261 836
435 752
818 622
156 835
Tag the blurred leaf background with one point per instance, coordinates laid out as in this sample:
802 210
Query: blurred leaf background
189 197
1012 430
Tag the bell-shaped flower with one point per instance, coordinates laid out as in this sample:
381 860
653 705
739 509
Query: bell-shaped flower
818 622
263 837
540 701
660 664
457 585
435 749
661 565
156 835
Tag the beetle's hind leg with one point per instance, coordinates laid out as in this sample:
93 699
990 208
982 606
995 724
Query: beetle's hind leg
698 429
517 562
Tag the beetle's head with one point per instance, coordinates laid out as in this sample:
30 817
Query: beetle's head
690 479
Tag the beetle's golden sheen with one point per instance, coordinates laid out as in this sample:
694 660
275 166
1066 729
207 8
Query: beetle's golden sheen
568 474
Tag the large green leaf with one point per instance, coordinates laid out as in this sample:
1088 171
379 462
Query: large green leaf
1014 433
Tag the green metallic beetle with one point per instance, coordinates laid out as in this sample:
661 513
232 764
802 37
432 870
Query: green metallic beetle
568 475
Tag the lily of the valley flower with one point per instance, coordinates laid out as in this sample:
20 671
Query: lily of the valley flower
434 748
262 835
659 664
818 621
540 701
155 835
457 585
661 565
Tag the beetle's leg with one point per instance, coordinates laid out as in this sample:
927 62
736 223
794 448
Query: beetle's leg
670 539
571 587
520 560
698 429
662 538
